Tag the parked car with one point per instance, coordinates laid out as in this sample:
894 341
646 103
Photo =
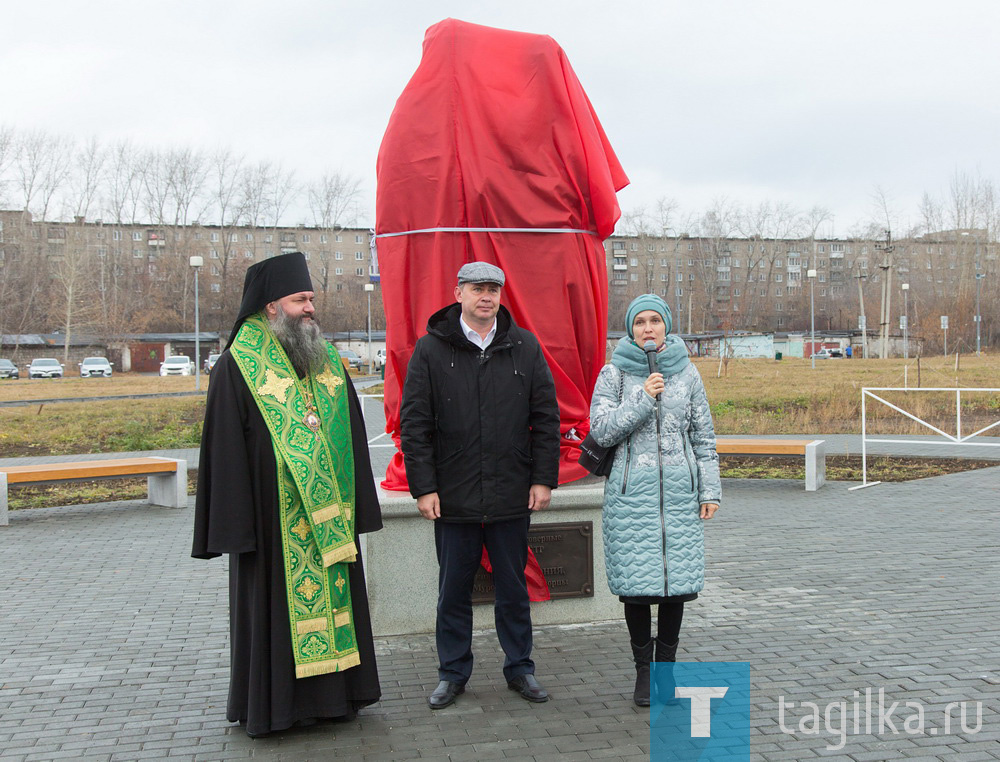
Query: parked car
380 357
823 354
352 357
95 366
210 362
8 369
177 365
45 367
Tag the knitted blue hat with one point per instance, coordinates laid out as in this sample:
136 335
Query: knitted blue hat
647 302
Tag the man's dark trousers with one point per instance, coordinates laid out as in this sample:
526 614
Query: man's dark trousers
459 552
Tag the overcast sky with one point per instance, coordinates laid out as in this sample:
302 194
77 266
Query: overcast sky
808 102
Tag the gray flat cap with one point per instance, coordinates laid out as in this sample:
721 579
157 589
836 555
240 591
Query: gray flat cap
480 272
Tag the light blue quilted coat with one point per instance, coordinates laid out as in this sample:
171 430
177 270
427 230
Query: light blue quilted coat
638 524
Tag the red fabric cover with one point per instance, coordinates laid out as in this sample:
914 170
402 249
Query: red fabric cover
538 587
494 130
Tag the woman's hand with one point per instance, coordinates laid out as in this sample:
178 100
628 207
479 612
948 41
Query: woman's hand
654 384
708 510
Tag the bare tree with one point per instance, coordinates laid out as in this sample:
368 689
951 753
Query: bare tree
87 177
333 200
8 148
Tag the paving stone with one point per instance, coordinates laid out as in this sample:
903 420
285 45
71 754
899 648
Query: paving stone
822 594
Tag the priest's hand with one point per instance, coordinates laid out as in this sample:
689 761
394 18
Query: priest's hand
539 497
708 510
429 506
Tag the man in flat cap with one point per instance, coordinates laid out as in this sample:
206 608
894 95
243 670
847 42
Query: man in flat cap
285 487
479 425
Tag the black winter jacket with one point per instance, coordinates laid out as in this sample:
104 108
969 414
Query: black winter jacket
479 427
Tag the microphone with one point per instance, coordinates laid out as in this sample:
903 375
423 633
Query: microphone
650 349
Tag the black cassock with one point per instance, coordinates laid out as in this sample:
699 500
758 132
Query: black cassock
237 513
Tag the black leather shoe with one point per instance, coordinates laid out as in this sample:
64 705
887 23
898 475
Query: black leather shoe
445 694
529 688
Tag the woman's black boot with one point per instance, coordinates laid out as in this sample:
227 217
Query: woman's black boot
643 655
666 655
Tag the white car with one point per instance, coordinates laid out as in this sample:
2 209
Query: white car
92 367
380 356
177 365
45 367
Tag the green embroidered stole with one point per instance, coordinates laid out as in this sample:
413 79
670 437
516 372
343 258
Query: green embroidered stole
315 493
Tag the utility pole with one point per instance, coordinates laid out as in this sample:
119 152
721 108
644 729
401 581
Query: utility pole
887 248
863 323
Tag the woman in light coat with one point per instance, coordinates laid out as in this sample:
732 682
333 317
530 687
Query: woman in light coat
664 483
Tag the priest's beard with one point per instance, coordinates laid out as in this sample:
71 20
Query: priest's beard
301 340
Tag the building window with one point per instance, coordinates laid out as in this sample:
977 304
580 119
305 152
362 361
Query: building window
779 306
359 255
323 237
136 235
215 288
216 270
777 277
633 247
822 292
338 238
248 237
358 239
837 247
213 237
338 271
116 235
359 271
663 263
214 254
822 277
137 253
736 263
822 249
680 291
680 277
634 262
269 238
338 255
779 291
635 277
650 247
736 292
663 277
305 238
247 254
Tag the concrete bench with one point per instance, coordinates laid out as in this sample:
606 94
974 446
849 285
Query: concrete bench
166 477
814 451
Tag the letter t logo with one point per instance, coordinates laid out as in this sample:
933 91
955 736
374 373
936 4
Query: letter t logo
701 706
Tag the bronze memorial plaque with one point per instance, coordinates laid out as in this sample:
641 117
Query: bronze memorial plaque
565 553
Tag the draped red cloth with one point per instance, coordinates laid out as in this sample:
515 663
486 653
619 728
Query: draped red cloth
494 130
538 586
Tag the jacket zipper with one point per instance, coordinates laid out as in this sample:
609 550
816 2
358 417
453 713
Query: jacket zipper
687 460
663 518
628 459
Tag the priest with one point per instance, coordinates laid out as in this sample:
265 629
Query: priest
284 488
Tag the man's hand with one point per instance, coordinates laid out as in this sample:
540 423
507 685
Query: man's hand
539 497
429 506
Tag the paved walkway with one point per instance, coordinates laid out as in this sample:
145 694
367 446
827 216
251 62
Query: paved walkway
113 642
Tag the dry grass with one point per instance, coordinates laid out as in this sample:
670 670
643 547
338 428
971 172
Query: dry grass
119 384
847 468
789 397
86 427
754 397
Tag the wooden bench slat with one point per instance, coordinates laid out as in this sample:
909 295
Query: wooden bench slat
87 469
761 446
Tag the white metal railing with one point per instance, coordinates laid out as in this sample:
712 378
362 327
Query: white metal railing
954 440
371 442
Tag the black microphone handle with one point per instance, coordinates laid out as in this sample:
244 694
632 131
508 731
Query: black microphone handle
650 349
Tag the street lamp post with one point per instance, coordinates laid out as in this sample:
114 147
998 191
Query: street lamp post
196 262
979 317
369 287
906 321
811 274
